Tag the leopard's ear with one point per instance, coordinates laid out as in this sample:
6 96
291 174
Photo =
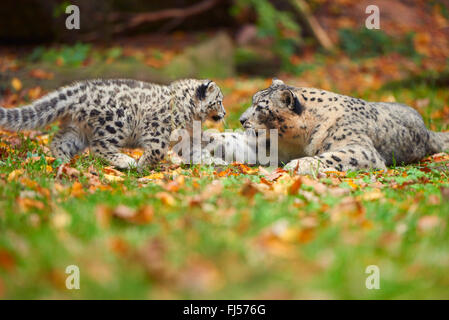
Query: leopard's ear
203 88
289 100
276 82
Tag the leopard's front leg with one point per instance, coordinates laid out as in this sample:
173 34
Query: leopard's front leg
155 149
351 157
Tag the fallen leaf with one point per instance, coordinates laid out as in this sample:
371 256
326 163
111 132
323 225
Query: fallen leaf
27 204
445 193
7 260
16 84
41 74
276 174
200 275
155 176
153 259
374 194
60 219
34 93
427 223
295 186
120 246
166 198
123 212
77 190
103 215
248 189
113 172
67 170
13 175
113 178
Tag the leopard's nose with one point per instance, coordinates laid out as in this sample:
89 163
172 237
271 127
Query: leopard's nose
243 120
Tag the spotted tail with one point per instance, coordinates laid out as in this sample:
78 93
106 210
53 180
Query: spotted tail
43 111
440 141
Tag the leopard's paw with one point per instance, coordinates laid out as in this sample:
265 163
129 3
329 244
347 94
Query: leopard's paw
305 166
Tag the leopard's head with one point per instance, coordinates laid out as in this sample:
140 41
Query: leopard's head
210 101
276 107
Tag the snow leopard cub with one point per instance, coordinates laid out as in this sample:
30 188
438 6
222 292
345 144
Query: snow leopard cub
106 115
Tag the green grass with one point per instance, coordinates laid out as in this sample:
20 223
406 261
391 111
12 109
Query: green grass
216 242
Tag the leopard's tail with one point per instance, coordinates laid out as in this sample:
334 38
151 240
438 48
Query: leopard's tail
439 141
43 111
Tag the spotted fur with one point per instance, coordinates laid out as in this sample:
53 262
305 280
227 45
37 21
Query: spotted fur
106 115
324 131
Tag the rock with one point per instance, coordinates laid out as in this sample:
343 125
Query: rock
246 35
213 58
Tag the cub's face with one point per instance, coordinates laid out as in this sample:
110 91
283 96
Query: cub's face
274 108
211 101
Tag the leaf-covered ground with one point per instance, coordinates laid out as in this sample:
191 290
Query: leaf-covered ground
204 232
232 232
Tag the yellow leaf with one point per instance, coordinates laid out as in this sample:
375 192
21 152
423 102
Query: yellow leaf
112 171
35 93
166 198
43 139
351 183
16 84
15 174
155 176
427 223
60 220
77 190
28 203
143 215
111 178
372 195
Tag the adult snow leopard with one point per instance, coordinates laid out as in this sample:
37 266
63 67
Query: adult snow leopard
324 131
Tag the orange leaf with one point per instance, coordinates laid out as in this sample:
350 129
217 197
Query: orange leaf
143 215
41 74
295 186
7 261
77 190
28 203
249 190
16 84
166 198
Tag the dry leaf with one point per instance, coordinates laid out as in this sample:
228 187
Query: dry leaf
112 178
295 186
113 172
154 176
143 215
41 74
374 194
16 84
103 215
166 198
427 223
7 260
27 204
13 175
77 190
248 189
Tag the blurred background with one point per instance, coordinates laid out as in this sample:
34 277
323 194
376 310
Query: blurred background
203 238
319 43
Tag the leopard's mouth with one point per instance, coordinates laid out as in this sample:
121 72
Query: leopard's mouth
217 118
